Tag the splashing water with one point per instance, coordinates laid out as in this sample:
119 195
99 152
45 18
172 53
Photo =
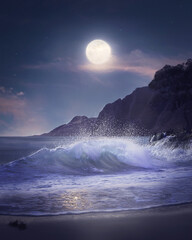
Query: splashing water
95 174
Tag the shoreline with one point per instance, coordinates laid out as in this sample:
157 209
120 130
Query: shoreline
99 212
165 222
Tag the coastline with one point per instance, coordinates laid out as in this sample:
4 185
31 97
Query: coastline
166 222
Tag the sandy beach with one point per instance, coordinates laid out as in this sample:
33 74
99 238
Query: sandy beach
170 222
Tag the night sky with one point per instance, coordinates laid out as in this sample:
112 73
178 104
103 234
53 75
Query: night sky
45 77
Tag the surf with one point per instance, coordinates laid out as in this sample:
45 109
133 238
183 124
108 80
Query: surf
90 156
96 174
101 156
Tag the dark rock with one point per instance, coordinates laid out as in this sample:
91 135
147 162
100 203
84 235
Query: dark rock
157 137
18 224
14 223
165 104
173 140
22 226
173 78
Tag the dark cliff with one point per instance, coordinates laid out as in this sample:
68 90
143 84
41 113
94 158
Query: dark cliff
163 105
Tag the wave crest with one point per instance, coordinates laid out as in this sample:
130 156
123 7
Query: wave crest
101 156
88 157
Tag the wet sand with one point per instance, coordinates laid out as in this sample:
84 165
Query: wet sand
171 222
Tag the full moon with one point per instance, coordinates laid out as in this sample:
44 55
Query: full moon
98 51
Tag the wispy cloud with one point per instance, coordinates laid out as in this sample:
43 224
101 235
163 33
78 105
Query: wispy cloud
2 89
12 105
141 70
9 92
136 62
59 63
20 93
16 116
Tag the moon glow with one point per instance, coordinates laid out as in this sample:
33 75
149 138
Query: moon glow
98 51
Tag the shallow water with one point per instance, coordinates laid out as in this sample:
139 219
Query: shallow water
42 176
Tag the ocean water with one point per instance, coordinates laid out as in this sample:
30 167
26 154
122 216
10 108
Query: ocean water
63 175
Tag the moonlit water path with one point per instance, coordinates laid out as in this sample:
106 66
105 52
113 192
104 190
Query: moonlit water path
66 175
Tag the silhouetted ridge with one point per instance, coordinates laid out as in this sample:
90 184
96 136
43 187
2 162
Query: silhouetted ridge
173 78
165 104
79 125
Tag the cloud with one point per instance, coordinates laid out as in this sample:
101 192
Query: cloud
136 62
17 118
20 93
11 105
141 70
61 64
2 89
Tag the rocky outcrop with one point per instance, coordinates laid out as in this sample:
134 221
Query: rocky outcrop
163 105
173 78
172 140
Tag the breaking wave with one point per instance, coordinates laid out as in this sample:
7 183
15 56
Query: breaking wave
96 174
101 156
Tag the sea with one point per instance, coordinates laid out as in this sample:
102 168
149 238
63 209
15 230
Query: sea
66 175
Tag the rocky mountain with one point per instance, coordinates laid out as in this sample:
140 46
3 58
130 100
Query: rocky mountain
166 103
